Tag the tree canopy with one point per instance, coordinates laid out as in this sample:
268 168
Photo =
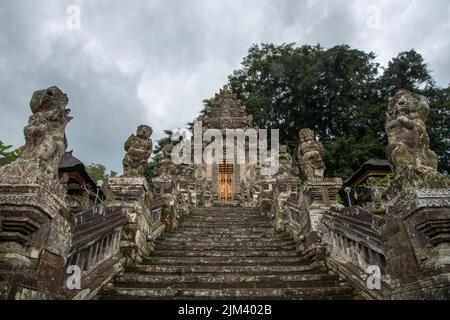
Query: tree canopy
341 93
99 172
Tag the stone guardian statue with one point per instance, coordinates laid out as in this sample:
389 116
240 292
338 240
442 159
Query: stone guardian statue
139 149
310 155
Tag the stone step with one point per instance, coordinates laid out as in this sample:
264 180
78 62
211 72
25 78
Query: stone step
226 253
228 231
234 219
222 212
214 253
213 238
188 224
327 293
216 261
224 215
226 281
220 209
173 242
164 246
243 270
230 227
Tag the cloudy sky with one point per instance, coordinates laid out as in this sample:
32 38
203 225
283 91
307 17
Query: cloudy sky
154 61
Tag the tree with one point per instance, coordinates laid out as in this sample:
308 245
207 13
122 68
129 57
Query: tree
153 163
339 93
99 173
291 88
406 71
5 152
438 126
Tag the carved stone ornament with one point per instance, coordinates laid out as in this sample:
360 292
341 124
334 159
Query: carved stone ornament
310 155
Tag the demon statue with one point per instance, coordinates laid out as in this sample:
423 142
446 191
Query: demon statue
166 168
139 149
409 145
310 155
45 142
285 160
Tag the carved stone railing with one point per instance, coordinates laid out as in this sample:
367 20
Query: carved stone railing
298 219
95 249
267 204
355 242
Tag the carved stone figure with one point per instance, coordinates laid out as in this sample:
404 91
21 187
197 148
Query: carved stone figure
285 161
45 142
310 155
415 164
139 149
166 168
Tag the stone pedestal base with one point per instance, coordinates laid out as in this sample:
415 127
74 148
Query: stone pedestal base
417 244
317 196
284 188
134 197
35 235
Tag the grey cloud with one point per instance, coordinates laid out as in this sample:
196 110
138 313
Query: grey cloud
155 61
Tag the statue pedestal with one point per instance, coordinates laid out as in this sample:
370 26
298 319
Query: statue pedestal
283 188
317 196
417 244
133 196
166 189
35 236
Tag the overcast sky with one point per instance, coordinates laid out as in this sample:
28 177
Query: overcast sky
154 61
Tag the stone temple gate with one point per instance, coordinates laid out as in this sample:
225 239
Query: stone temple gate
224 231
226 112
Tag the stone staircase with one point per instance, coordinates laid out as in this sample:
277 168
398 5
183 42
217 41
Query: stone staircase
226 253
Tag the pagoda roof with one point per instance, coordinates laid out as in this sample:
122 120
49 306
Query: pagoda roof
372 167
225 111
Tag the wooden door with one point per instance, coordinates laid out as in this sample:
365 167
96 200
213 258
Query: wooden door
226 190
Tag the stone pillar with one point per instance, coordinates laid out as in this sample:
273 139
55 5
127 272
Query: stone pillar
417 244
416 228
133 196
35 236
167 191
317 196
283 189
35 227
131 193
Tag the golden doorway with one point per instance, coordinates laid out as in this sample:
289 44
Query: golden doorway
226 190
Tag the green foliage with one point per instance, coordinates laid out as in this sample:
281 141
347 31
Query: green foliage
339 199
439 126
153 163
406 71
339 93
162 142
99 172
378 186
5 152
149 172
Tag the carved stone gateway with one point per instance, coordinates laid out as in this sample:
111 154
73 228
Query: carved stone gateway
416 225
